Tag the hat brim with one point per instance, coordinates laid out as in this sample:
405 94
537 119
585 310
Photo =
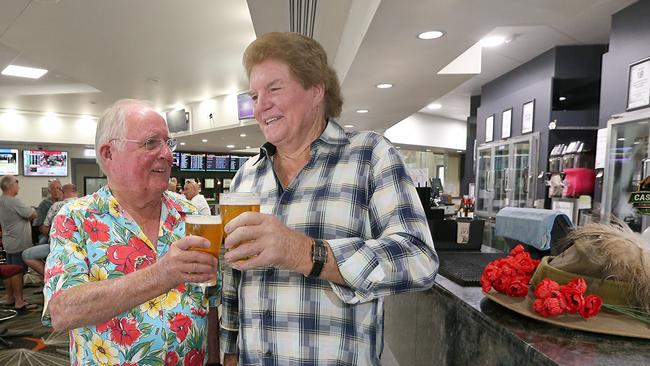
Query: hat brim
605 322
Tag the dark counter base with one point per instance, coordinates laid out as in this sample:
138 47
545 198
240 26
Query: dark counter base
452 325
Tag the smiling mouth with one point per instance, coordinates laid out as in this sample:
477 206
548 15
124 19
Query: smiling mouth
159 170
271 120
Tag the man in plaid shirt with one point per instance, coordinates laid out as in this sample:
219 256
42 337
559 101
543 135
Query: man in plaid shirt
341 225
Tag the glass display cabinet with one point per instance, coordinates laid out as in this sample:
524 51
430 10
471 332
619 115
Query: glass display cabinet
627 163
504 174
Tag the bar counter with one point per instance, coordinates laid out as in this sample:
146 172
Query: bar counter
454 325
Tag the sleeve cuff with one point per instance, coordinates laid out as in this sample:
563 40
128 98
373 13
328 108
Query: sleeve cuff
359 268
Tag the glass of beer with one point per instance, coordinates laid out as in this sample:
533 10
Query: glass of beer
232 204
209 227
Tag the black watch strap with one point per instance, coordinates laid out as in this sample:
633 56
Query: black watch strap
318 257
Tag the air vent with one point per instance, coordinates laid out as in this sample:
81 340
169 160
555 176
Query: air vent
302 15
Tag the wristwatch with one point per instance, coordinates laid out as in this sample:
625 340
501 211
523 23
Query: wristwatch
318 257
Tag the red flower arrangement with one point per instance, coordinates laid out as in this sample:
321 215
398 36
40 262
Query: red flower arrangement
510 275
551 299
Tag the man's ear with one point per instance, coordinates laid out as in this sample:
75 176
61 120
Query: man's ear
105 154
318 94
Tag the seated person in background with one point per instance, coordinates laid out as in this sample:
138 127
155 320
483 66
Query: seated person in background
15 217
35 256
55 194
171 185
192 193
12 275
121 275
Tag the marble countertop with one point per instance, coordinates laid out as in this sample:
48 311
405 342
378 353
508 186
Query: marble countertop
562 346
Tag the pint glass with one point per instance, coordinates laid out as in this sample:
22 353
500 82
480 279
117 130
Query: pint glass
232 204
209 227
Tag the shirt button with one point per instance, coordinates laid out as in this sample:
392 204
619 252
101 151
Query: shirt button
268 353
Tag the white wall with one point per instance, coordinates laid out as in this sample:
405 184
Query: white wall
21 127
426 130
223 109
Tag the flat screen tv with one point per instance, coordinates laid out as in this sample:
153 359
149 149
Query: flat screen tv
245 106
192 162
178 120
8 161
45 163
217 163
176 160
237 161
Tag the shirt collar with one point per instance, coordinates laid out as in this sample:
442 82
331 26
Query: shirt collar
333 134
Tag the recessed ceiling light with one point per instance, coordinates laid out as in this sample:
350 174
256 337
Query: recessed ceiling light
636 142
248 147
431 35
428 150
562 99
24 71
182 144
384 86
242 135
397 147
230 146
621 139
492 41
204 140
434 106
459 151
362 111
349 126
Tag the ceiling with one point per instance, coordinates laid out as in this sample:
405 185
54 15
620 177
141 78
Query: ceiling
179 52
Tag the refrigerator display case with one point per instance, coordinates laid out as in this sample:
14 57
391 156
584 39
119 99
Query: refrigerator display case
504 174
627 163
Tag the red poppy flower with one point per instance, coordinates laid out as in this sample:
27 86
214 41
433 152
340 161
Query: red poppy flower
573 298
517 249
545 288
98 231
550 306
64 226
124 331
171 358
180 325
579 284
591 306
501 284
132 256
518 287
194 358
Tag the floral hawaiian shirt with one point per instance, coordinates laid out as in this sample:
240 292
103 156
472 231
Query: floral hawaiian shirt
93 239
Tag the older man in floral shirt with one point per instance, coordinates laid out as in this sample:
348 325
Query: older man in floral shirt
120 273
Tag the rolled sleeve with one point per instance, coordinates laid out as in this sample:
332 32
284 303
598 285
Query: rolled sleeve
65 266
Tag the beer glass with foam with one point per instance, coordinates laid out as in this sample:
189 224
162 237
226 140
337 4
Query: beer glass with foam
209 227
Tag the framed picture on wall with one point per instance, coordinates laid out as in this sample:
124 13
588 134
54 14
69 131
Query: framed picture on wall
489 128
506 122
528 117
638 85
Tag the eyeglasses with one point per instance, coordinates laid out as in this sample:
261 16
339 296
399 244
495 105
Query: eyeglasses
153 143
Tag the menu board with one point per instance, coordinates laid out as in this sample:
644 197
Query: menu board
8 161
192 162
45 163
217 163
237 161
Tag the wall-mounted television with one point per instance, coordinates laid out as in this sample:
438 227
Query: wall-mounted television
245 106
192 162
217 163
178 120
8 161
237 161
45 163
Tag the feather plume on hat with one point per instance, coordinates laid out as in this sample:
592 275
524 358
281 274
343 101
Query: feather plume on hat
610 252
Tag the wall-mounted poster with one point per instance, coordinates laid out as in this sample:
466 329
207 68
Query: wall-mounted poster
506 122
489 128
528 117
638 85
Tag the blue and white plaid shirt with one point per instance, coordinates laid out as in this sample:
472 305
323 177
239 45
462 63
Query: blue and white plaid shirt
355 193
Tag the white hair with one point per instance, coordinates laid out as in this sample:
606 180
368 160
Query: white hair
112 124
